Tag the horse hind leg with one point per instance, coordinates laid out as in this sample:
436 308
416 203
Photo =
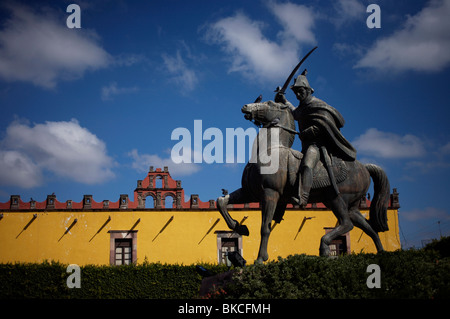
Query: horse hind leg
360 222
236 197
340 210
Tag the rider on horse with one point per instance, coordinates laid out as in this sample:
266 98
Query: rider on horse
319 126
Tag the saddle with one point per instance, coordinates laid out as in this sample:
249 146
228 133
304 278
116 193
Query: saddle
320 174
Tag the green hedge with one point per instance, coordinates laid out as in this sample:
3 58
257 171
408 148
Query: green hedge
404 274
49 280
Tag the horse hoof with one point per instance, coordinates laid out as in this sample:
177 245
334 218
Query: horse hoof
262 258
242 230
221 202
324 252
259 261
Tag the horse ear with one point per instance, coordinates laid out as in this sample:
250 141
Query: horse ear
258 99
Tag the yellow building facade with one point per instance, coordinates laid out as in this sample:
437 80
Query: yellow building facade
189 232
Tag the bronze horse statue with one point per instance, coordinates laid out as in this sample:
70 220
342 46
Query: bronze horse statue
274 189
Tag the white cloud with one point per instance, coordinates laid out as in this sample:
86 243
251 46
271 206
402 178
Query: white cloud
344 49
426 213
423 44
129 59
297 21
435 163
63 148
256 56
39 48
347 10
445 149
389 145
17 169
141 163
183 76
109 91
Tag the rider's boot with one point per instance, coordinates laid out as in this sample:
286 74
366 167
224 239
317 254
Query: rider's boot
305 187
304 199
298 199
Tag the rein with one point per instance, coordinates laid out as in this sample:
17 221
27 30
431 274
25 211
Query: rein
284 128
275 123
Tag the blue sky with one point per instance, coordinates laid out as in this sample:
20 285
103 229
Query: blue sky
87 111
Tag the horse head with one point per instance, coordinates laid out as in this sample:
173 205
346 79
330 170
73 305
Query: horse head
267 113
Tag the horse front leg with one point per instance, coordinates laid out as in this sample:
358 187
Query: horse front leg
236 197
269 205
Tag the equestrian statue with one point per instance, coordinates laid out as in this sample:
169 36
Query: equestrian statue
325 171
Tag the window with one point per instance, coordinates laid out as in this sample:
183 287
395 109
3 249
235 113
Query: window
228 245
123 247
227 242
340 245
122 254
150 201
168 201
158 182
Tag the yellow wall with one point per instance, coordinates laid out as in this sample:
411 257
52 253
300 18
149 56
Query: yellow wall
87 242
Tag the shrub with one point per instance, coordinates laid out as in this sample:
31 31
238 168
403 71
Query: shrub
154 281
442 246
404 274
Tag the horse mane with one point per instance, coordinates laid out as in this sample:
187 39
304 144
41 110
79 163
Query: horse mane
289 116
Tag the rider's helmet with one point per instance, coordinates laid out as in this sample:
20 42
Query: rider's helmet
302 81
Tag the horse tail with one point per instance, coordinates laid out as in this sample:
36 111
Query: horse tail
378 207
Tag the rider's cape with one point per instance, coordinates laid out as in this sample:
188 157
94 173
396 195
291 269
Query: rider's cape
329 120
